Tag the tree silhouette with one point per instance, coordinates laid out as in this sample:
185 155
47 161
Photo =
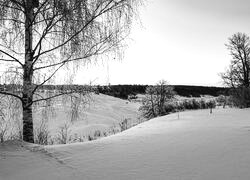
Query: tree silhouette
237 74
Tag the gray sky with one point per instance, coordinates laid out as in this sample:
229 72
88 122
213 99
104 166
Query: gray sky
181 41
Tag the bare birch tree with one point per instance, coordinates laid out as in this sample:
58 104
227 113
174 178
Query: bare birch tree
39 37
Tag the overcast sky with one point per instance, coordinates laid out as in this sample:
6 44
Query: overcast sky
181 41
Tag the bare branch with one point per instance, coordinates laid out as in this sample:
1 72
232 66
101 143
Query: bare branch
14 59
11 94
39 85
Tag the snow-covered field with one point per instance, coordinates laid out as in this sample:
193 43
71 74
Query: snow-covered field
198 146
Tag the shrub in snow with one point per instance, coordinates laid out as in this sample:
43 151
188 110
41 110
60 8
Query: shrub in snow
170 107
195 104
188 104
97 134
211 104
222 100
203 104
41 132
90 138
240 97
77 138
41 135
63 133
124 124
179 105
173 105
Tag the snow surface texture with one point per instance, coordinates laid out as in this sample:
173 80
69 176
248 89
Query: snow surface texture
198 146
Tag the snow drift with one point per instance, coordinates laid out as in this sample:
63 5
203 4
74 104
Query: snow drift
198 145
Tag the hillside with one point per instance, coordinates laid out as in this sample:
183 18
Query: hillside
102 113
197 146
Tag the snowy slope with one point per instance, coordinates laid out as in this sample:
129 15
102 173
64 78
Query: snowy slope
102 113
198 146
105 111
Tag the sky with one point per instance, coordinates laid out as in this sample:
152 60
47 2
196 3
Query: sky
180 41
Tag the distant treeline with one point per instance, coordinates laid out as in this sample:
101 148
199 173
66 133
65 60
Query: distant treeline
124 91
197 91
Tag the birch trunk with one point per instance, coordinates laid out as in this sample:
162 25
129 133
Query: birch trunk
28 134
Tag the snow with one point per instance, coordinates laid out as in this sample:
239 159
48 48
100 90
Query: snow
197 146
102 113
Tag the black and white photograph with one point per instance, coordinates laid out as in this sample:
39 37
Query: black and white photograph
124 90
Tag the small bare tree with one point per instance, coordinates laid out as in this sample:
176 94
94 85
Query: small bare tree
148 107
157 96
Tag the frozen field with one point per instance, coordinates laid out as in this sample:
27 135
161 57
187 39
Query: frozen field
198 146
